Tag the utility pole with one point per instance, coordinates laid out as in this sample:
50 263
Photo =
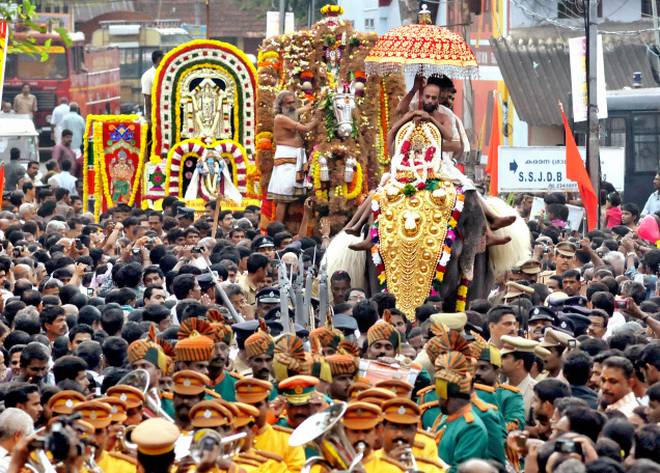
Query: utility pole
208 19
283 8
593 141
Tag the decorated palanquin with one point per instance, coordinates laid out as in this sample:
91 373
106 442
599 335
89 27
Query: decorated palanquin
325 66
415 218
115 147
203 127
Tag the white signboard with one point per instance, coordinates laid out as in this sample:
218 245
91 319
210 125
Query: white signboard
575 213
543 168
273 23
577 51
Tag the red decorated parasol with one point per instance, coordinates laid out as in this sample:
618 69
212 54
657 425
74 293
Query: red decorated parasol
423 49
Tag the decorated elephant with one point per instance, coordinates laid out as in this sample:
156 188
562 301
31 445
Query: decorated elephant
427 231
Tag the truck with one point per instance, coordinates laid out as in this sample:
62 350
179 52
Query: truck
88 76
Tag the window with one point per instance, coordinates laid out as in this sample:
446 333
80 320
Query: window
369 24
27 67
646 142
129 63
574 9
647 9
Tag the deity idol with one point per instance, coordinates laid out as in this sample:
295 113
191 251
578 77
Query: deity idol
121 171
211 179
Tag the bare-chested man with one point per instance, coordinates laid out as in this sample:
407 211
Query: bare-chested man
287 182
452 144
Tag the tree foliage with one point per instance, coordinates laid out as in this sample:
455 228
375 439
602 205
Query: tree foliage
300 8
25 13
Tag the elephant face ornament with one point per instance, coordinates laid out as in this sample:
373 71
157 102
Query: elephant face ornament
343 105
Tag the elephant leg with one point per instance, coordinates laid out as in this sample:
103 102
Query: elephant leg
474 225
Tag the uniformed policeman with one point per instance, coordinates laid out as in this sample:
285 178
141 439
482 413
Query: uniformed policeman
518 355
400 419
189 389
99 415
362 424
530 270
270 438
134 399
267 299
249 458
155 439
540 318
62 403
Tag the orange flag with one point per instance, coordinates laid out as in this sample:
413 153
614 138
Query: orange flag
575 171
493 146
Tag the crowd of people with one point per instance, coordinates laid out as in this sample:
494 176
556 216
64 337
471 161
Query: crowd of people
156 341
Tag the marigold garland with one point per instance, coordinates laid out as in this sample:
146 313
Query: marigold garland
94 125
164 64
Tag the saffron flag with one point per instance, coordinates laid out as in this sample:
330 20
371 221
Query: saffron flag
575 171
493 146
4 44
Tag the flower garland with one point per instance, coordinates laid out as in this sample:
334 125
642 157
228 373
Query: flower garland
461 294
382 153
349 193
444 256
332 10
182 51
443 260
94 126
103 176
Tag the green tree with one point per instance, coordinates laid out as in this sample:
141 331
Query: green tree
300 8
25 13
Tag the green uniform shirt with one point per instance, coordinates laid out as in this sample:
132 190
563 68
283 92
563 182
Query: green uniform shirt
512 407
227 387
429 414
494 423
462 436
487 394
168 407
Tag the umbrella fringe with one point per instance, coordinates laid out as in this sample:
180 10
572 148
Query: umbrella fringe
427 70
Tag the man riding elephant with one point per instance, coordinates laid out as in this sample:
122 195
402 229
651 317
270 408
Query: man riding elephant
451 144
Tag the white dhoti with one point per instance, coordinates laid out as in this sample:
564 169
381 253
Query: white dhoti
285 183
448 164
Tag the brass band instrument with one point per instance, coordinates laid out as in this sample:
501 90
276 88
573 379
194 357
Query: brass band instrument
408 459
139 378
324 430
39 462
124 443
208 439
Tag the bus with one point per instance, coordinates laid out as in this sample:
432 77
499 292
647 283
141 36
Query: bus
633 123
88 76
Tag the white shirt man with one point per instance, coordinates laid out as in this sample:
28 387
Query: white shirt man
65 180
56 119
14 425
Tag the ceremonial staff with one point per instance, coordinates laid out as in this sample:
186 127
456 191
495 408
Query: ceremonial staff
284 284
238 318
323 293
